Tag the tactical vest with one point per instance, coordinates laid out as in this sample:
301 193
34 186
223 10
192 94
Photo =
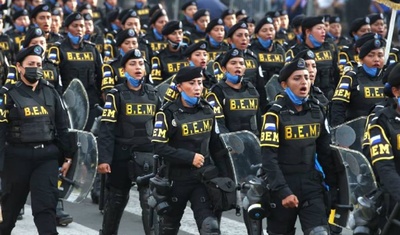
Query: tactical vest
118 71
324 57
136 114
29 122
240 107
50 72
364 95
297 137
271 62
192 131
252 67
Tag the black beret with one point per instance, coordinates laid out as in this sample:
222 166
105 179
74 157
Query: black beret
283 12
87 16
112 15
56 12
188 4
288 69
370 45
357 24
33 50
226 13
334 19
241 12
154 8
40 8
262 22
171 26
297 20
240 25
124 34
272 14
327 18
72 17
188 73
366 37
20 13
309 22
248 20
213 23
84 6
132 54
376 16
126 14
157 14
200 45
393 79
31 34
232 53
200 13
305 55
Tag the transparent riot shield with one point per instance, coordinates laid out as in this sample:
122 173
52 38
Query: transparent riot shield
356 179
273 87
349 134
80 177
77 102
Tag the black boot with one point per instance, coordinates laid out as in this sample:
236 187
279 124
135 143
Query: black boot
113 210
254 227
144 193
62 217
95 192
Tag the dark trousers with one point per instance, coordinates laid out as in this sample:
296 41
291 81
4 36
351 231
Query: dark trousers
35 170
311 211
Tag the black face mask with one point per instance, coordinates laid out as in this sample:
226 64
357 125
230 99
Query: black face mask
33 74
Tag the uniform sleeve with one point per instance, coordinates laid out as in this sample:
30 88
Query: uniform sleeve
106 138
172 92
261 90
108 79
215 98
269 142
161 132
61 122
12 75
324 154
98 66
156 69
341 99
3 127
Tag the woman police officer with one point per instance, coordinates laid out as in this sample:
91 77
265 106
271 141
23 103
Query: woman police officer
33 119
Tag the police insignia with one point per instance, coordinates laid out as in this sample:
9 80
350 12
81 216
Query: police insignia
138 53
269 20
131 33
220 21
45 8
235 52
38 32
203 46
78 17
310 54
301 63
38 50
243 25
367 20
173 122
133 13
377 43
180 24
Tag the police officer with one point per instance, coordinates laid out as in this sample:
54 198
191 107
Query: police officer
271 55
169 60
77 58
91 35
143 10
215 38
383 134
183 131
335 32
129 105
358 91
154 35
200 19
6 45
314 33
188 10
33 120
17 32
229 18
295 24
288 156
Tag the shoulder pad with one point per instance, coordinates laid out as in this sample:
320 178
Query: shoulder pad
113 60
47 83
186 32
316 89
276 106
205 103
395 49
149 87
351 73
58 43
7 87
114 90
345 47
89 42
248 51
168 104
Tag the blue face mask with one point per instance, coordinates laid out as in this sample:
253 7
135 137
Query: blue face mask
233 45
294 98
235 79
370 71
121 52
189 19
299 37
158 35
356 37
175 45
17 8
199 29
191 64
265 43
74 39
115 27
139 5
86 36
214 43
331 35
134 82
314 41
67 10
20 28
191 101
108 6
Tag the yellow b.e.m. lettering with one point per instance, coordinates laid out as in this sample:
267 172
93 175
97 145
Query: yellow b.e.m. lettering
35 111
380 149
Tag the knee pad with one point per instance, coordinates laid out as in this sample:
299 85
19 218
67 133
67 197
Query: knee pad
319 230
210 226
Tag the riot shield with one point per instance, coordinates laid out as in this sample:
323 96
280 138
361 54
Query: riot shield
349 134
80 177
77 102
356 180
273 87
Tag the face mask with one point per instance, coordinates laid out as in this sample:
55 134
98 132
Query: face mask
121 52
356 37
189 19
299 37
198 29
370 71
265 43
331 36
134 82
86 36
235 79
33 74
67 10
108 6
115 27
17 8
314 41
174 45
191 64
74 39
139 5
191 101
158 35
214 43
19 28
294 98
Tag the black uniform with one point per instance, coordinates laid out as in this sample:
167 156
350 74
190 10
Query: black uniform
156 43
355 96
144 15
179 133
16 37
214 50
7 47
29 162
289 143
126 128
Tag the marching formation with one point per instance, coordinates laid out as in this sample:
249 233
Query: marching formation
277 118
